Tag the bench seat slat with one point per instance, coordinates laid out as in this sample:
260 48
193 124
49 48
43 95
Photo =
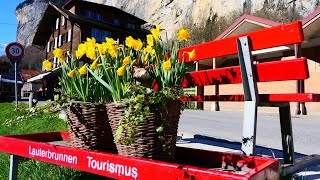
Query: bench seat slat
296 69
286 34
294 97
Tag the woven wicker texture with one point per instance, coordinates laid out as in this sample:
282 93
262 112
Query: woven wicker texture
89 128
147 143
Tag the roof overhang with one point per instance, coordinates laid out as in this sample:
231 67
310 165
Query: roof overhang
246 23
45 24
311 26
44 75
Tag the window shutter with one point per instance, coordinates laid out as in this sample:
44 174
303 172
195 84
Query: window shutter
59 42
54 62
69 35
63 20
57 23
55 42
48 47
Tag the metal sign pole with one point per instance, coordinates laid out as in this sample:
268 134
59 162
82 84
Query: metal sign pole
15 84
15 52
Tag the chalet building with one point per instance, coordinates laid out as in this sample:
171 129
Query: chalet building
69 25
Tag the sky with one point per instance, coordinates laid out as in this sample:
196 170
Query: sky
8 22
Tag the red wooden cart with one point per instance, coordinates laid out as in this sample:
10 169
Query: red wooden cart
190 163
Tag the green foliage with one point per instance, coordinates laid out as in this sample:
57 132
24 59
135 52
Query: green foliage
140 100
81 87
108 76
40 121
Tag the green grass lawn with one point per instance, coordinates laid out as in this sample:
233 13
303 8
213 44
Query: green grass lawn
42 122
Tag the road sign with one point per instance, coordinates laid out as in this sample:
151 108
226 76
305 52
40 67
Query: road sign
14 51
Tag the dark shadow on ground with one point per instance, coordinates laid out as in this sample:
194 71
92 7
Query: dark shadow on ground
308 173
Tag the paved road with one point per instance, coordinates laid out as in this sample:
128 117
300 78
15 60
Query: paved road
228 125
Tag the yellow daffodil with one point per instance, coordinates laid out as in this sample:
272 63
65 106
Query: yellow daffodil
94 65
110 41
83 70
129 41
156 32
47 65
150 40
57 52
71 73
113 51
126 60
102 48
149 50
121 71
167 65
62 58
137 44
146 57
82 49
79 54
192 54
91 42
91 53
183 34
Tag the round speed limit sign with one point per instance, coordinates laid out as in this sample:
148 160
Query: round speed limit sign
14 51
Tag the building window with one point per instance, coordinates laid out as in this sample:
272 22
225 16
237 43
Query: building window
48 47
98 17
63 21
51 46
57 23
63 39
93 15
69 35
100 35
59 41
55 41
89 14
55 62
131 26
116 22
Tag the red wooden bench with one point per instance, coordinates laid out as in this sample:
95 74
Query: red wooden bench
246 73
249 74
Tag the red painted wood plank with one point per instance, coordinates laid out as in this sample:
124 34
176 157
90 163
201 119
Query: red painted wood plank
266 72
294 97
282 35
121 167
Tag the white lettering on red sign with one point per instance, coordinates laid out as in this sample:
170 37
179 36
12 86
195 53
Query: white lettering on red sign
53 155
119 169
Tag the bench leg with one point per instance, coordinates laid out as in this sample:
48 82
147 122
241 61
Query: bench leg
13 172
249 128
286 134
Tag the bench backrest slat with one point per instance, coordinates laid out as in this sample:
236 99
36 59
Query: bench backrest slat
266 72
282 35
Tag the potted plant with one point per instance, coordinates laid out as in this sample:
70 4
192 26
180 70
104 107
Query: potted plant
144 82
86 113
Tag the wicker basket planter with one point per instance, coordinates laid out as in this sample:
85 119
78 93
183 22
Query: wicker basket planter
148 144
89 128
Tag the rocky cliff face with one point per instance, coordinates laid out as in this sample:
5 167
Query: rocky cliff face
170 14
29 14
